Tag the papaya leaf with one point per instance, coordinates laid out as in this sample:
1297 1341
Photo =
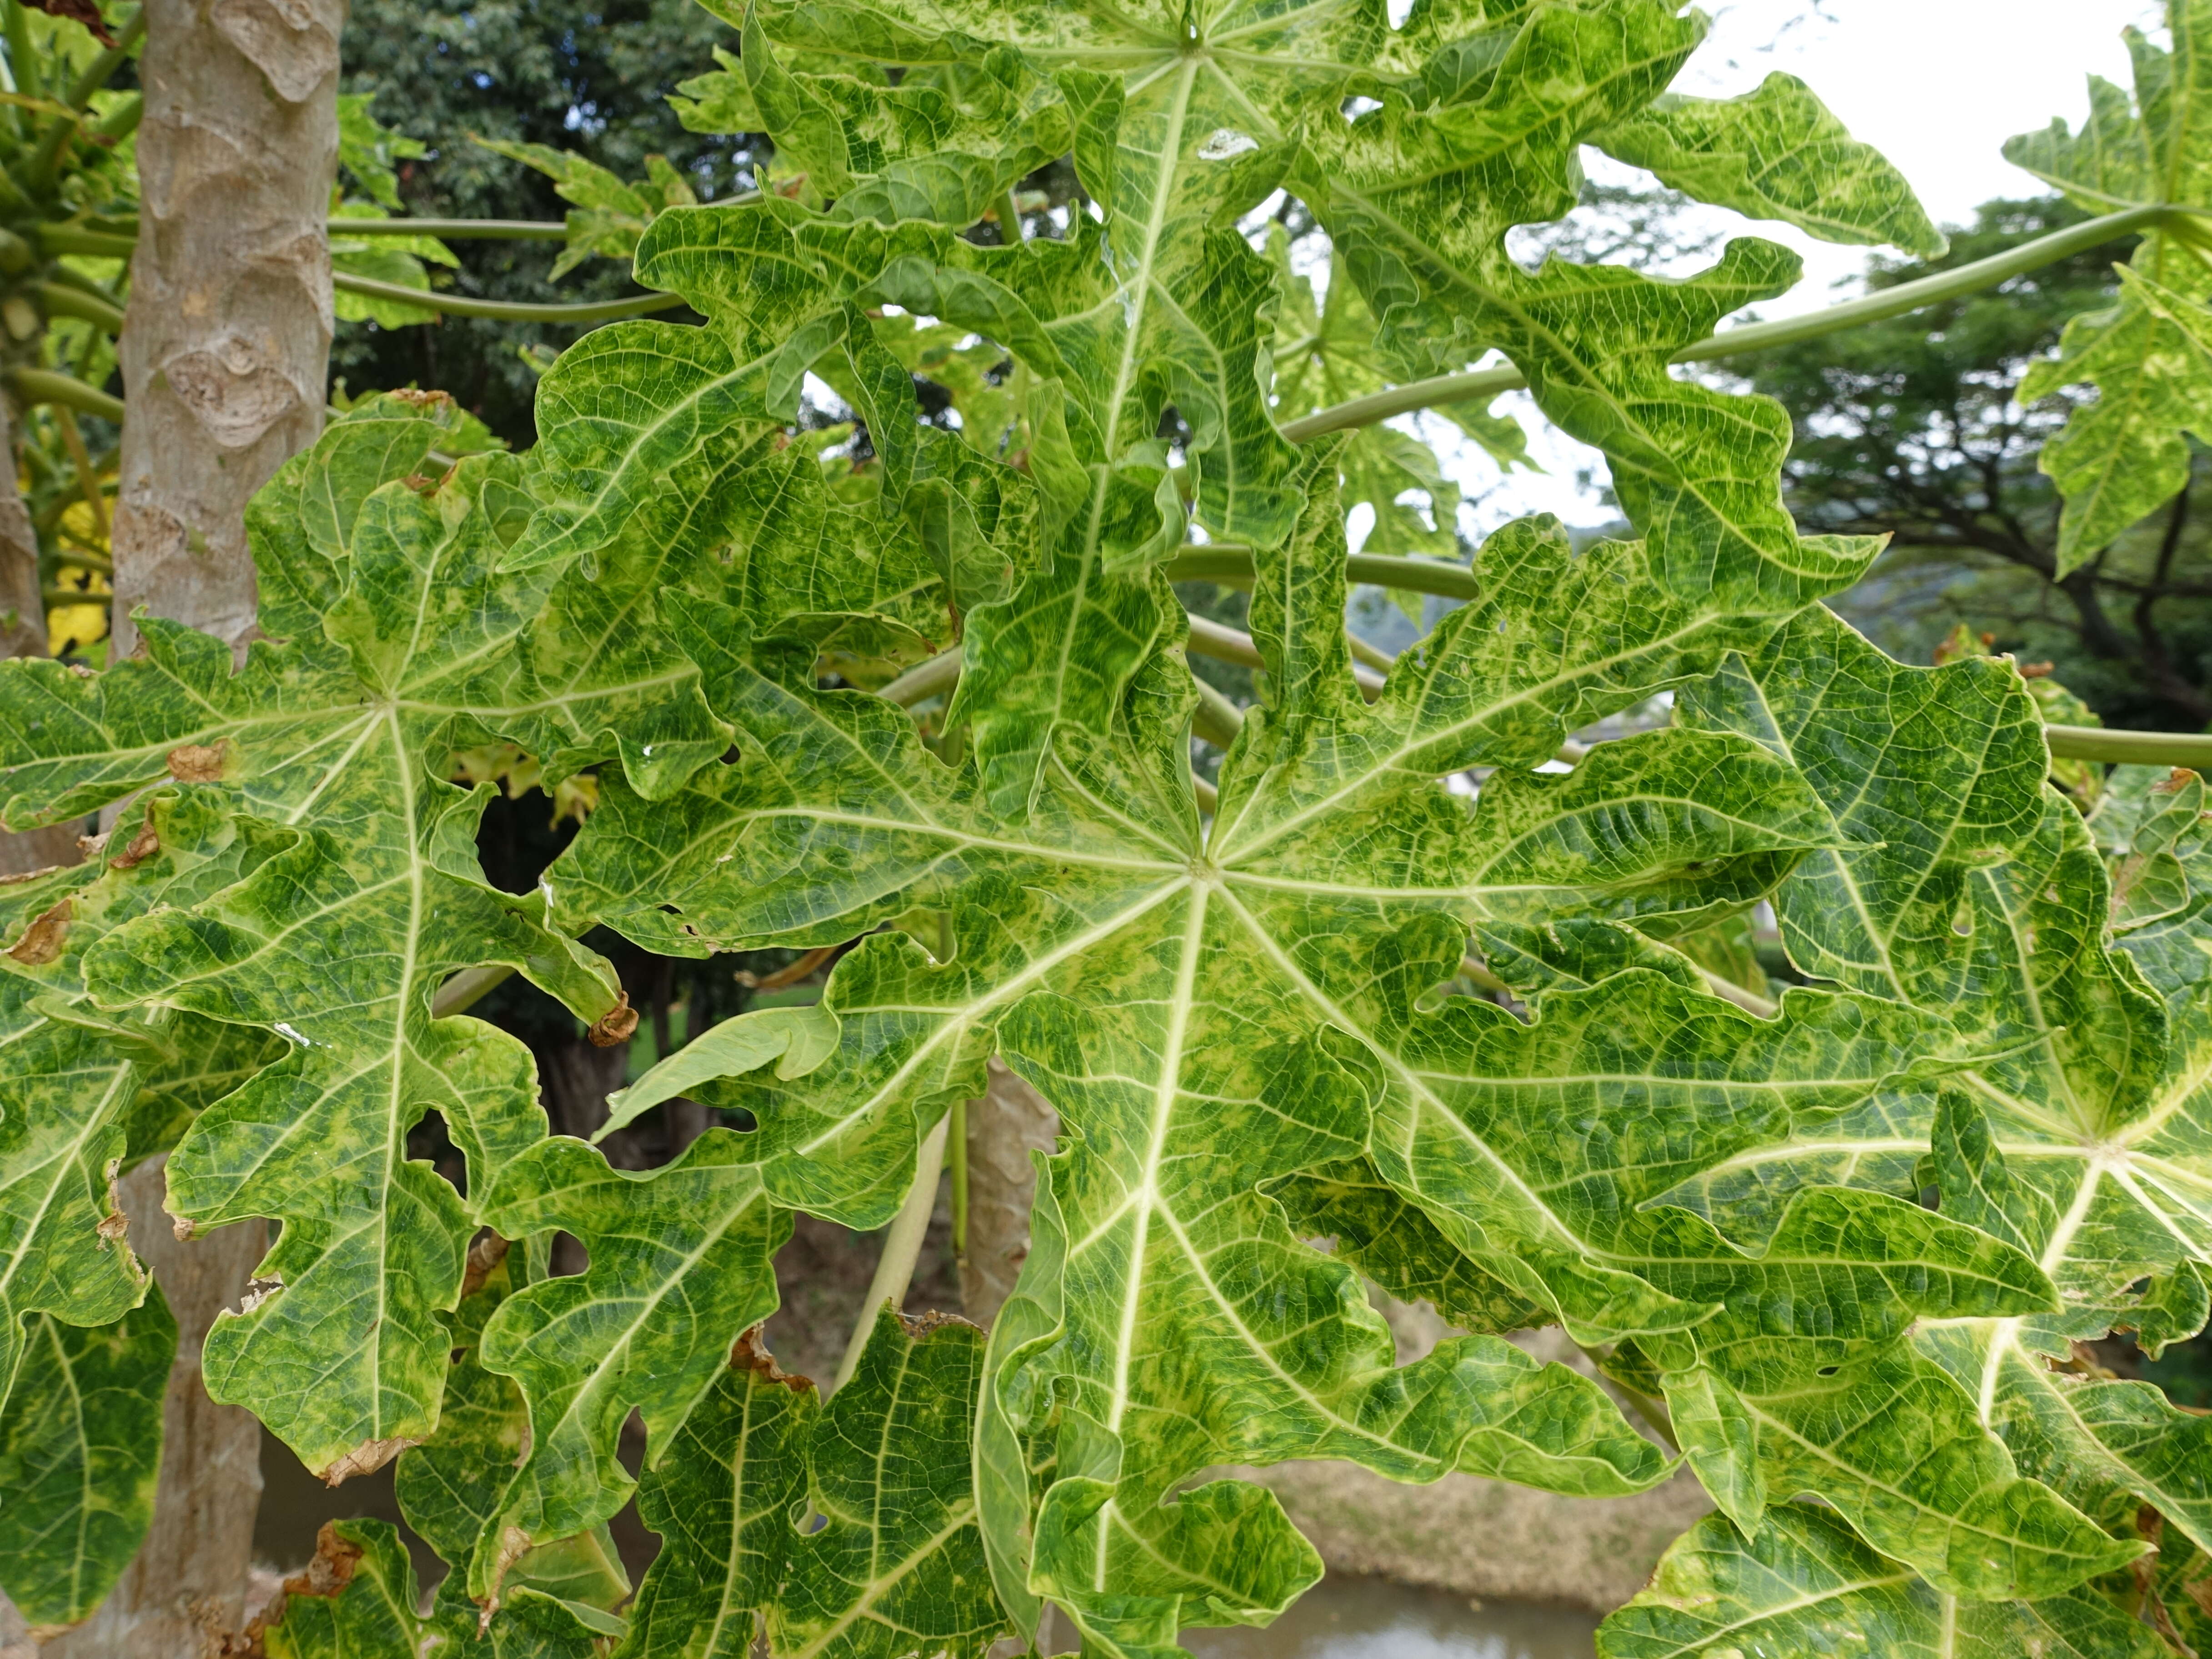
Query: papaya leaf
719 101
678 1266
383 258
1391 1242
608 216
1159 985
722 1502
453 1487
367 148
1420 191
1805 1584
1858 1236
336 747
1324 353
82 1080
2079 1138
1776 152
358 1599
80 1447
2125 455
944 143
896 1565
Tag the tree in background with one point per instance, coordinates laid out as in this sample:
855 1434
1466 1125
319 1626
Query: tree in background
589 78
1914 428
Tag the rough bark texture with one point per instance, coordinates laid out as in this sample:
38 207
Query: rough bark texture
226 343
187 1591
1009 1121
23 634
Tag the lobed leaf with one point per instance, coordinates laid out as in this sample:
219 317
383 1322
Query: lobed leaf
80 1447
1805 1584
1776 152
336 746
896 1565
1170 997
679 1263
2123 455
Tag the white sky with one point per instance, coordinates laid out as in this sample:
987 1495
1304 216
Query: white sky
1936 85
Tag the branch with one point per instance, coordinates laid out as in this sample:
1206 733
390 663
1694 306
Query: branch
96 73
1742 995
1216 719
56 239
1761 337
925 680
1230 564
44 386
2096 743
466 989
512 311
1211 639
956 1137
2099 631
87 475
60 301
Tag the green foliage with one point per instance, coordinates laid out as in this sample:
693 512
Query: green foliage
2124 454
68 154
896 1564
1804 1584
1324 353
608 216
367 152
1848 1241
80 1445
1914 428
587 76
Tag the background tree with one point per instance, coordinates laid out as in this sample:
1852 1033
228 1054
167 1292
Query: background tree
589 78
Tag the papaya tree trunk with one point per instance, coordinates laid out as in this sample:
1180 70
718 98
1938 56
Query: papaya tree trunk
1010 1120
23 634
226 343
225 350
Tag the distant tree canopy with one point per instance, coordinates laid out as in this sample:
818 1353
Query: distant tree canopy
587 76
1911 428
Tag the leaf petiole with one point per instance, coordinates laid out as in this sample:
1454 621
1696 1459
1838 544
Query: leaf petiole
512 311
1760 336
901 1247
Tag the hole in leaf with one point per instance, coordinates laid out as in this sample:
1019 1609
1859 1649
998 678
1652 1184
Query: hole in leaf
569 1257
1829 1370
429 1142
